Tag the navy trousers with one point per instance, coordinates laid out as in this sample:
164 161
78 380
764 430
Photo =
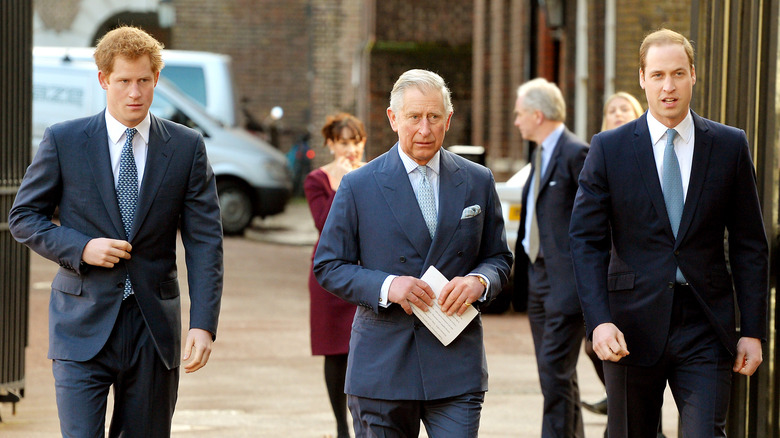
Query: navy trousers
453 417
144 389
695 364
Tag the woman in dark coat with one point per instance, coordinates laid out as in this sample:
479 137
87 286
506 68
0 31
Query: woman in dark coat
331 317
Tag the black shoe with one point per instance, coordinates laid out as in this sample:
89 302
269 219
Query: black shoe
599 407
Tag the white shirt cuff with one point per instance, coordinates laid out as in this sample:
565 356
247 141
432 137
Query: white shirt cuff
383 301
484 294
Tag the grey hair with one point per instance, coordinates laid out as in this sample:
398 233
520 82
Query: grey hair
541 95
424 81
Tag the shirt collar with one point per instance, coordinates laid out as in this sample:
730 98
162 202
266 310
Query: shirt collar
116 129
410 165
548 144
657 129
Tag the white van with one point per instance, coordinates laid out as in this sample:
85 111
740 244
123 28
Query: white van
205 77
252 176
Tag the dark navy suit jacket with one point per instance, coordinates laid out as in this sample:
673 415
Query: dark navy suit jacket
374 229
72 171
553 209
620 192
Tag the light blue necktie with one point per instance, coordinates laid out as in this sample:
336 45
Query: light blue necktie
127 192
673 189
426 200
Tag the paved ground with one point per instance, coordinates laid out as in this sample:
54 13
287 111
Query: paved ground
262 381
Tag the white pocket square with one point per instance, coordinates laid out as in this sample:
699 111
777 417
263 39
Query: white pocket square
472 211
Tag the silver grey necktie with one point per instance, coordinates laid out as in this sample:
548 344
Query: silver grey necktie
533 237
426 200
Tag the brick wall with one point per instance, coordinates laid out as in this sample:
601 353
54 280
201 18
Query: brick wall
420 35
269 44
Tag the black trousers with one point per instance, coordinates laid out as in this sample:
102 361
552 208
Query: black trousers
144 389
557 339
695 364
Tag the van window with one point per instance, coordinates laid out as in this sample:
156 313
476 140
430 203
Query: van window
163 108
190 80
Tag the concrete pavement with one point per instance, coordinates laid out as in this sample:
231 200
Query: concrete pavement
261 380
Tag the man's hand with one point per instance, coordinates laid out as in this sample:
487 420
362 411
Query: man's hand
410 290
105 252
609 343
458 294
749 356
197 346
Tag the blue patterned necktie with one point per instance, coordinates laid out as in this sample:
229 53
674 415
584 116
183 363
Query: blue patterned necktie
127 192
673 188
426 200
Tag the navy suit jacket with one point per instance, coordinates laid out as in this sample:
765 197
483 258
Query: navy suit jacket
620 192
557 189
72 171
375 228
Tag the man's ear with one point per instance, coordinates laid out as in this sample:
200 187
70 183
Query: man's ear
641 79
103 78
449 118
391 117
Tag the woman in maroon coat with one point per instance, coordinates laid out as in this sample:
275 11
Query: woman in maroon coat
331 317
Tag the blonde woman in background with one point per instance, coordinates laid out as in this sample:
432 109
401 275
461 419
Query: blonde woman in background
620 108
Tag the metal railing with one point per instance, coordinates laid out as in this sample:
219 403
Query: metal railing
15 135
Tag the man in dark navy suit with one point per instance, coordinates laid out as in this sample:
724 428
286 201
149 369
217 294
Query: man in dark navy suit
661 192
543 263
126 184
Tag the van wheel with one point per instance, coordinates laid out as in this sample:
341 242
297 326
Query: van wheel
235 205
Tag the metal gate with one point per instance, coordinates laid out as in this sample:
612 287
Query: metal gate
15 136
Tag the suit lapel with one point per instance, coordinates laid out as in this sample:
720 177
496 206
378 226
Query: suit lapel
157 158
452 194
397 191
643 148
100 164
701 158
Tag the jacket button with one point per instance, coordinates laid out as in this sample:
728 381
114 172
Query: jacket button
671 285
460 253
402 259
677 253
120 285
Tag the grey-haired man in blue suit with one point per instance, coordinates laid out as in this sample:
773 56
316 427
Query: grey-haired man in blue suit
412 207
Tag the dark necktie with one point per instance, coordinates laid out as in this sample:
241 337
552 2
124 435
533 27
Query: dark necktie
533 236
127 192
673 189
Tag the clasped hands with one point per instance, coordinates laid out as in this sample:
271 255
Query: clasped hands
610 344
456 296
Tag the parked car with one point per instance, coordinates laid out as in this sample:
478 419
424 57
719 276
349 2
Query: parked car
252 177
511 193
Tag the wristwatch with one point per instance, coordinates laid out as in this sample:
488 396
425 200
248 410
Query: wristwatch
482 280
